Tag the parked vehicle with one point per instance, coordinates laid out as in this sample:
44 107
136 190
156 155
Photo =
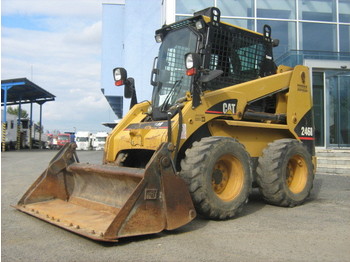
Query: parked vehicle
28 136
99 140
11 131
51 141
83 139
63 139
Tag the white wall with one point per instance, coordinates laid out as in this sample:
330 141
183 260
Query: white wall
128 41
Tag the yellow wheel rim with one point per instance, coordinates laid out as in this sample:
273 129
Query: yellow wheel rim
297 173
227 177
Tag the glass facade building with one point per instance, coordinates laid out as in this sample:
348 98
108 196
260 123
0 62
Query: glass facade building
315 33
318 25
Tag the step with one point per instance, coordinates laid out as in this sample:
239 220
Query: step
333 170
333 152
333 161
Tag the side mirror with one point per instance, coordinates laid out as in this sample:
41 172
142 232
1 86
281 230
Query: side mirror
129 88
120 77
275 42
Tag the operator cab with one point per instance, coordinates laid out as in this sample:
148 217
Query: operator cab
229 55
201 53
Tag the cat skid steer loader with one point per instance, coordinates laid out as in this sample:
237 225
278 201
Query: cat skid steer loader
222 119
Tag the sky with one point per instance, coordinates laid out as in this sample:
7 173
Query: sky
57 45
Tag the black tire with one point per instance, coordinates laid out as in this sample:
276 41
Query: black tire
285 173
218 172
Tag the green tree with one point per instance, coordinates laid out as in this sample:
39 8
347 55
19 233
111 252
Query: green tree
14 111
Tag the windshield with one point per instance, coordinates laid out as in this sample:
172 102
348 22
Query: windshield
172 78
64 138
82 139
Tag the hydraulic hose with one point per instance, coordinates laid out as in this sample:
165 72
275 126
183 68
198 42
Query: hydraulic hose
178 134
169 126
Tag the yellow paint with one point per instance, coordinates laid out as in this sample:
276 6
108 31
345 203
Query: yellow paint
294 100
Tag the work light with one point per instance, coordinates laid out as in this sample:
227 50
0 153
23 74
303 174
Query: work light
159 38
189 61
120 76
192 63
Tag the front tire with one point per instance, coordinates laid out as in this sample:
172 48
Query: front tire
285 173
218 172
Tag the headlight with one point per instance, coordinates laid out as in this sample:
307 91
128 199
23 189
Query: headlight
189 61
119 75
192 63
159 38
199 25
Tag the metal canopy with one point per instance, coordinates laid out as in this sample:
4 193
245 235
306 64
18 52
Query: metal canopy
23 91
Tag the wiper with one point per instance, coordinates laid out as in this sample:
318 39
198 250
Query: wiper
169 95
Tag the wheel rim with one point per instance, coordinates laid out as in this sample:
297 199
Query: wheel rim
227 177
297 173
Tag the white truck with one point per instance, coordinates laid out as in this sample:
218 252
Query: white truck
26 135
11 131
83 139
99 140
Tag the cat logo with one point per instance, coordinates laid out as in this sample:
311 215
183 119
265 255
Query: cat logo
229 108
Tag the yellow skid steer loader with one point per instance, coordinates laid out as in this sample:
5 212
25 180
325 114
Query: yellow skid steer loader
222 118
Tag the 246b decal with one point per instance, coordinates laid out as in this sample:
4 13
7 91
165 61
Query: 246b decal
307 131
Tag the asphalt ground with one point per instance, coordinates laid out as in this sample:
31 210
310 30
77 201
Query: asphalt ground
319 230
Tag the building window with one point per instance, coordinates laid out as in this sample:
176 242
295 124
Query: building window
317 10
183 6
318 37
344 11
239 8
344 38
283 9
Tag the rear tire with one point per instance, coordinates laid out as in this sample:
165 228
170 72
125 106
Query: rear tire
285 173
218 172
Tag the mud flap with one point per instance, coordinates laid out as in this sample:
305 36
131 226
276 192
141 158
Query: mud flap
105 202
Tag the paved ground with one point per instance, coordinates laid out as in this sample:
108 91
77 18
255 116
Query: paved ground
317 231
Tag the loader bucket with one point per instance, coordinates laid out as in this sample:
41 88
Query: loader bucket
105 202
